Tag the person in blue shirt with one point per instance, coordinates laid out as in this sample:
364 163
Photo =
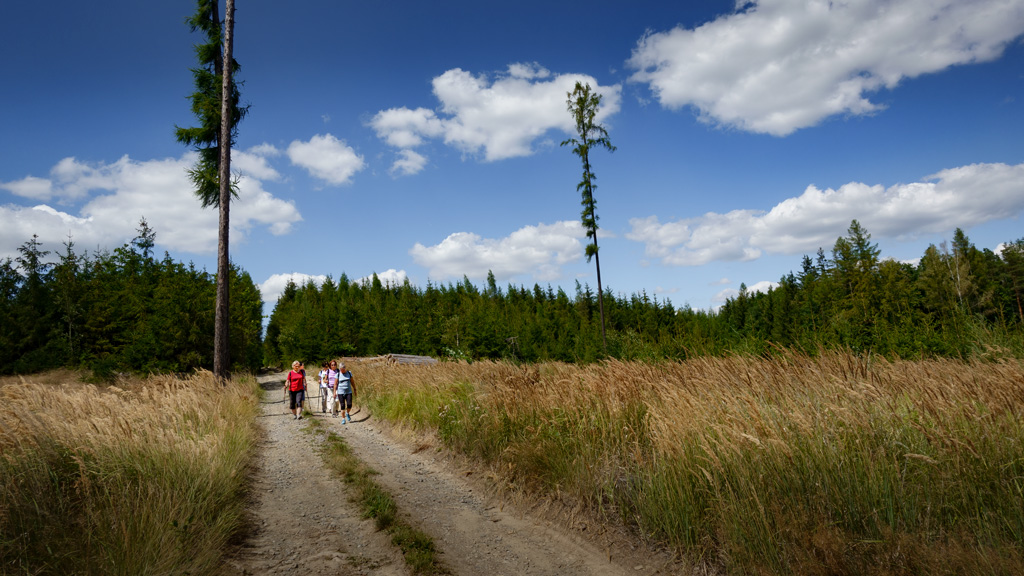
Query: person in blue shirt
346 392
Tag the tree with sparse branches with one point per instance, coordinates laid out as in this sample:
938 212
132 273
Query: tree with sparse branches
216 105
583 104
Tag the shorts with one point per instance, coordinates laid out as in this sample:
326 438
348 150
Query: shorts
346 400
296 397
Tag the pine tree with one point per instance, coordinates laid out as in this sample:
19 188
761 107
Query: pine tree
67 297
583 105
1013 256
10 336
216 104
33 309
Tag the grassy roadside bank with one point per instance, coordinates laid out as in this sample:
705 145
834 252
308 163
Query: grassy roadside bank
789 465
145 477
376 503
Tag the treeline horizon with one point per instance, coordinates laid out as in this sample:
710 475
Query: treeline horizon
958 301
126 311
119 311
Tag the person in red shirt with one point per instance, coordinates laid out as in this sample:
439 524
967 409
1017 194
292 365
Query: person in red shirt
296 389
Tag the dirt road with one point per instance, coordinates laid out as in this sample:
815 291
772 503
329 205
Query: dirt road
305 524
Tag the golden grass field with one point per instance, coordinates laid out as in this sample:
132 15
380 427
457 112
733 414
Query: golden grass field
146 476
831 464
794 464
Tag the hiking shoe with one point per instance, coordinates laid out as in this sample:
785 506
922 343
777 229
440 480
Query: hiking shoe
348 418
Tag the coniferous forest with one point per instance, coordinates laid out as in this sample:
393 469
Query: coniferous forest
125 310
120 311
957 301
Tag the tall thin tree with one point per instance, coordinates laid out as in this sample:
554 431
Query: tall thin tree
216 105
583 104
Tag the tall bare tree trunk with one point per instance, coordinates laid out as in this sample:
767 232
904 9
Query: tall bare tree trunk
600 296
221 354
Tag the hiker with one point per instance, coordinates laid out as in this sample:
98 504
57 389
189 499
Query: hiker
324 397
346 391
296 389
333 374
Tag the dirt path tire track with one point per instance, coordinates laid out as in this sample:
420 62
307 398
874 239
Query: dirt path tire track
475 533
302 520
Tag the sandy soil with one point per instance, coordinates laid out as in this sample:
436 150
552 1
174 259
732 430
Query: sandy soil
303 522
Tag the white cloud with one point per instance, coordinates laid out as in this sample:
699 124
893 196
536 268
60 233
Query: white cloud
405 128
254 162
539 250
409 162
775 66
389 277
30 187
272 288
957 197
495 119
697 241
18 224
69 180
118 195
761 287
265 149
326 158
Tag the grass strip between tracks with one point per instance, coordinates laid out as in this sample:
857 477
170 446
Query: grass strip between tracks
417 547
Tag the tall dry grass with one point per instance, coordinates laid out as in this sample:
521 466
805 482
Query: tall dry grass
145 477
794 464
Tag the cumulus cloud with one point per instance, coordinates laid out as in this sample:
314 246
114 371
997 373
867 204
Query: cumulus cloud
539 250
493 119
116 196
761 287
30 187
409 162
255 162
389 277
405 128
957 197
775 66
326 158
272 288
69 180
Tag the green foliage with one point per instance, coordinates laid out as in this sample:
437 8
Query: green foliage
123 311
958 303
583 105
206 103
32 310
941 307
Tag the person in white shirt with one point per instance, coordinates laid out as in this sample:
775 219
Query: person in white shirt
325 398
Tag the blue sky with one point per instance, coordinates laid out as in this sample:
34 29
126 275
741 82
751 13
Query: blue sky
420 140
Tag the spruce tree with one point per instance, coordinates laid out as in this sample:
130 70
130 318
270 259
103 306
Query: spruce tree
583 105
216 105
